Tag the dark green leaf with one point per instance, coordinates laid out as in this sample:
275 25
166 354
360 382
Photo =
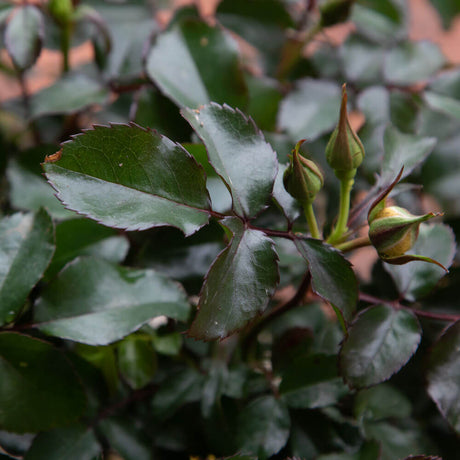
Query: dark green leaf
416 279
128 177
75 442
263 427
95 302
444 375
38 387
168 344
181 387
310 110
84 237
380 341
72 93
126 439
24 36
238 285
26 248
332 276
239 153
381 402
137 360
194 63
447 9
411 62
406 150
381 20
312 381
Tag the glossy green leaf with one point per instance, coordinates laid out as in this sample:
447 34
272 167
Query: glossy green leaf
24 36
137 360
26 248
95 302
408 150
379 342
381 20
310 109
131 178
238 285
416 279
263 427
126 438
443 375
75 442
70 94
411 62
194 63
84 237
381 402
39 389
332 277
239 153
29 190
312 381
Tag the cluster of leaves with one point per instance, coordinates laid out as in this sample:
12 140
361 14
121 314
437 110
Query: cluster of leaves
221 327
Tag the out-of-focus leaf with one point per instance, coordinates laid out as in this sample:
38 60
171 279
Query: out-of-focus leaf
84 237
137 360
443 104
26 248
406 150
381 402
131 178
39 389
383 21
75 442
416 279
262 23
412 62
264 99
238 285
24 36
379 342
361 60
263 427
331 275
239 153
95 302
179 388
126 439
444 375
168 344
447 9
289 205
443 94
312 381
72 93
28 188
194 63
310 109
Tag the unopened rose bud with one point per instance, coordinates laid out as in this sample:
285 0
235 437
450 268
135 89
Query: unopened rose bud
344 151
394 230
302 179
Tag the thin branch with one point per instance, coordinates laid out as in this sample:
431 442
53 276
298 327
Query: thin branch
421 313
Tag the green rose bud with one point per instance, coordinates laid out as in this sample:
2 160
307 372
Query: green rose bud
61 10
394 230
302 179
344 151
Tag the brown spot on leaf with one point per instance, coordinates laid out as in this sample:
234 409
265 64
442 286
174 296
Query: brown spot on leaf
54 157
